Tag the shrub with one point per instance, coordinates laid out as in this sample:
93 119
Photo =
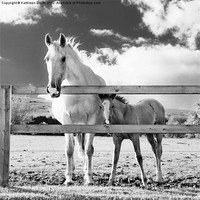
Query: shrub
44 120
176 120
194 119
21 110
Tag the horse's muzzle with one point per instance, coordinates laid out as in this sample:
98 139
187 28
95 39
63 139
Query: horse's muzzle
54 92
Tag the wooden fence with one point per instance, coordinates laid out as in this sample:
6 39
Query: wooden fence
6 127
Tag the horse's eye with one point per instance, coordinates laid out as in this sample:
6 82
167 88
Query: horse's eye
63 59
46 59
112 106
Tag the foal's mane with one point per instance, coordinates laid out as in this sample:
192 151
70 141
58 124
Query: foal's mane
118 98
121 99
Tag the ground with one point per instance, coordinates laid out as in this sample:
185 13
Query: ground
37 167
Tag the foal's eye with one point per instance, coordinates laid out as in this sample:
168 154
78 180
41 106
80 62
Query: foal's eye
112 106
63 59
101 107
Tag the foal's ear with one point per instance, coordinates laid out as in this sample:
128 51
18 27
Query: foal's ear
48 39
62 40
112 96
101 96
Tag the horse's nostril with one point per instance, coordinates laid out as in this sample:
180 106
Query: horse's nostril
48 90
55 95
53 92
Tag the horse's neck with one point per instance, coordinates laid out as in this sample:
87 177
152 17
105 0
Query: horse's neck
79 74
120 111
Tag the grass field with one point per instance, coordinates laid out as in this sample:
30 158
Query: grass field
37 166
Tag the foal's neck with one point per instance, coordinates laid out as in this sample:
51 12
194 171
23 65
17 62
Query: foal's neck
120 112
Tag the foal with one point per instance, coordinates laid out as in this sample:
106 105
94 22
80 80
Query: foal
149 111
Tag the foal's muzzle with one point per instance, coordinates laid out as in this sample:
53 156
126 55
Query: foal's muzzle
54 91
107 122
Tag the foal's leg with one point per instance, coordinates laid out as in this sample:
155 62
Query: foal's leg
159 152
89 150
69 138
117 146
136 143
157 149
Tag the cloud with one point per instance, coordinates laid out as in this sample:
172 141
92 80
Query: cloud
125 42
178 16
55 9
155 65
19 13
110 33
103 56
159 64
80 17
59 29
4 59
28 13
102 32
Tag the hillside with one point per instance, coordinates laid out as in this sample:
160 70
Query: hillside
42 107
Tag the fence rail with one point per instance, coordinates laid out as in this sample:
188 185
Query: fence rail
6 93
147 129
131 89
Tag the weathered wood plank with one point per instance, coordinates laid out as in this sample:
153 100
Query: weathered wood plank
131 89
104 129
5 95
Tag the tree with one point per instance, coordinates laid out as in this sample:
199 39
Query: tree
194 119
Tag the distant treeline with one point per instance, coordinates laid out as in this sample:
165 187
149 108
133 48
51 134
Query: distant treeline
172 120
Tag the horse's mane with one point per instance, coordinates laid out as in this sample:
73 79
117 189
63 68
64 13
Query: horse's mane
121 99
74 44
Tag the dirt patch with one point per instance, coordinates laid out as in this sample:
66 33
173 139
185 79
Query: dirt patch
33 178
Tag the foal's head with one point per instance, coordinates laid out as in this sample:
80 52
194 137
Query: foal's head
113 108
107 106
58 59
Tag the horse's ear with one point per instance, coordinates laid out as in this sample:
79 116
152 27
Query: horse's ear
62 40
112 96
48 39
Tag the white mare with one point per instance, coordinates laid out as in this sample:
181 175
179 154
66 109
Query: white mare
64 65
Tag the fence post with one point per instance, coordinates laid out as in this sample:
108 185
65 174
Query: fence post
5 118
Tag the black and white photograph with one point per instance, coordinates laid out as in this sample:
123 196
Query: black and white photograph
100 99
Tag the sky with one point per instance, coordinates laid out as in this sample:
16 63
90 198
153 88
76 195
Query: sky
127 42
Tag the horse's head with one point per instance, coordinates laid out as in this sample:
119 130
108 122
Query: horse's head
57 59
107 105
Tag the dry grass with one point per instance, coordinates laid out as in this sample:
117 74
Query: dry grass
94 192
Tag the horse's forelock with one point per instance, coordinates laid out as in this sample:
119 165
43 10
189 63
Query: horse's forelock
55 46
